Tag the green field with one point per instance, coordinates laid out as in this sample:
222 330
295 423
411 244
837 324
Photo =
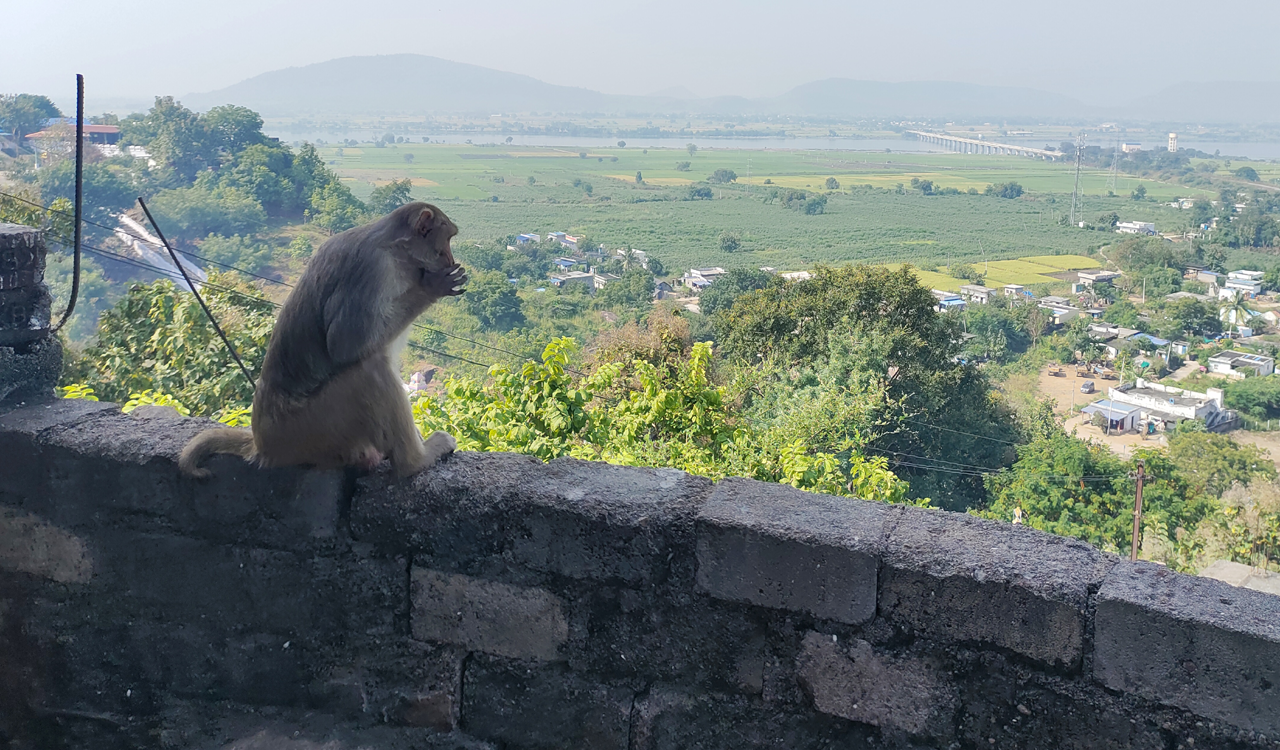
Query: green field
486 190
1064 262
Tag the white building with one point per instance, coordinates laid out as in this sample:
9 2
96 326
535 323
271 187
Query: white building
1089 278
1170 405
1136 227
698 279
1235 364
1173 143
977 294
1013 290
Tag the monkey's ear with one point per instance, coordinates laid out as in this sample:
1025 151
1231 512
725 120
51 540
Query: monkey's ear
422 224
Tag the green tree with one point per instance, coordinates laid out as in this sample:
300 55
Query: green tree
722 176
700 193
1005 190
722 294
387 198
833 183
178 138
191 213
106 191
232 129
24 114
633 291
1212 462
335 208
494 302
683 166
1202 212
242 252
1257 397
672 416
639 178
1140 193
622 144
1247 173
691 148
158 339
815 205
729 241
1122 313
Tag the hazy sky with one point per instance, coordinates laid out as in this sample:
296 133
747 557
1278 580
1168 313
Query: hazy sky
1097 50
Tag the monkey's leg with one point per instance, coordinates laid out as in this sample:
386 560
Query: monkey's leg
408 453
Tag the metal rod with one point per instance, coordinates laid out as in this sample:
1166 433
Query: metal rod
1137 516
79 206
208 313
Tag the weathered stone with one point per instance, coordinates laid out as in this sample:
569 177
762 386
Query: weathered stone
667 718
542 707
29 372
779 547
852 681
572 518
22 256
955 577
78 463
29 545
1190 642
523 623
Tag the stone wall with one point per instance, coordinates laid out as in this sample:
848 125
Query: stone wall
497 601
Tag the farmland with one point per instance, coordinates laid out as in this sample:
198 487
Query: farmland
494 191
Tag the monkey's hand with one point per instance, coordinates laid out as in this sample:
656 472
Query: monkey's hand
450 282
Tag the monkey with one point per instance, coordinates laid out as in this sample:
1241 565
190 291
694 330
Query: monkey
328 394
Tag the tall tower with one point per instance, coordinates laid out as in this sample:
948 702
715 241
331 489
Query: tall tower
1173 143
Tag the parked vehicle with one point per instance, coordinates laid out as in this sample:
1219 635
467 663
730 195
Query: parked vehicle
1087 387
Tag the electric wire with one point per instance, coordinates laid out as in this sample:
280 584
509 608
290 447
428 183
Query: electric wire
278 282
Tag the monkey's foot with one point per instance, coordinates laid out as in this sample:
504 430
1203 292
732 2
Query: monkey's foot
435 447
367 458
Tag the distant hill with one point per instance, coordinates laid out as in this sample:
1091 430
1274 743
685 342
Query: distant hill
418 84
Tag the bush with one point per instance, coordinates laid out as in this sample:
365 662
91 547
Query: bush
722 176
1005 190
702 193
833 183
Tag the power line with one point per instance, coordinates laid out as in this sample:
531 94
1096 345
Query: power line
107 254
208 313
959 432
420 326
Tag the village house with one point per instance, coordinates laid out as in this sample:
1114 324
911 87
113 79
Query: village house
1248 283
698 279
525 239
1120 417
977 294
1014 290
563 280
1166 405
947 300
1187 295
1235 364
1136 227
1089 278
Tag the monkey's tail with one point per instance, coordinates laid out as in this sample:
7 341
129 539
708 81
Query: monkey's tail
209 442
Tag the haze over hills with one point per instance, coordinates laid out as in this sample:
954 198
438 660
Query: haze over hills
419 85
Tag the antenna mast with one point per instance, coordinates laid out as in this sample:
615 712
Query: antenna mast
1075 194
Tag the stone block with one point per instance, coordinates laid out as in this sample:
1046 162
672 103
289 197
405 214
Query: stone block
579 519
22 256
667 718
30 545
24 299
496 618
955 577
1190 642
852 681
29 371
776 546
83 463
518 705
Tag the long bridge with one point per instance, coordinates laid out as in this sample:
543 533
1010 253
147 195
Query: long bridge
976 146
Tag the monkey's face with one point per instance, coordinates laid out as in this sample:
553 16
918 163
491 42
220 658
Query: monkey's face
430 234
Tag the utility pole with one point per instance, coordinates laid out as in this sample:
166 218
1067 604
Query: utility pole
1137 516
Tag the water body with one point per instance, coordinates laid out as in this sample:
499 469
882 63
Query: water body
1263 151
900 145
